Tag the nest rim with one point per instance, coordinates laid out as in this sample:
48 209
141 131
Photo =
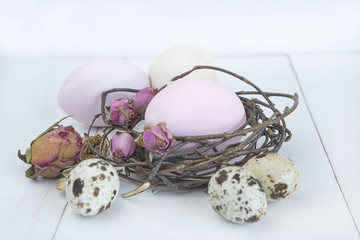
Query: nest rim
189 171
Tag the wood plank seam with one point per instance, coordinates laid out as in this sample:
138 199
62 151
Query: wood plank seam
35 217
320 138
14 216
61 217
63 212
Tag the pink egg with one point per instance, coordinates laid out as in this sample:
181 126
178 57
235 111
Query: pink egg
196 107
80 95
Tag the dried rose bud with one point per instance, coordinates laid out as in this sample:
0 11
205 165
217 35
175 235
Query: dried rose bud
53 151
143 98
122 145
122 112
157 138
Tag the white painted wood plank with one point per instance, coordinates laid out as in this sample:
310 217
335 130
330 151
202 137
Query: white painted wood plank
331 84
126 27
28 102
316 210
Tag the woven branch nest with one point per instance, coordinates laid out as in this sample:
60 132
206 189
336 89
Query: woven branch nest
261 134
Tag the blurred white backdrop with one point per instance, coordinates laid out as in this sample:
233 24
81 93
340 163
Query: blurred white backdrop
144 27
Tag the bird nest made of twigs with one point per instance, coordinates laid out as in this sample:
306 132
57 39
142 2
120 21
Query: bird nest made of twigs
261 134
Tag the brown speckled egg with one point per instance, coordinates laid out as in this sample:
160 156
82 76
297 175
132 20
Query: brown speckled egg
237 195
277 174
92 187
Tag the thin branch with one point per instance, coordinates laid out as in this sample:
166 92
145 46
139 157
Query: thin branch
261 134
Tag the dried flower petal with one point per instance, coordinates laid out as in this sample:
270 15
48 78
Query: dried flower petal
143 98
157 138
122 145
122 112
51 152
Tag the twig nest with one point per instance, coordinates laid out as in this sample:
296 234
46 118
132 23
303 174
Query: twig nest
236 195
92 187
277 174
161 157
95 141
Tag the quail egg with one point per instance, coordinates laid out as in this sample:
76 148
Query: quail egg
277 174
237 195
92 187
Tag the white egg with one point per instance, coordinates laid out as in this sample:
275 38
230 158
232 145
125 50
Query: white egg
237 195
277 174
177 60
91 187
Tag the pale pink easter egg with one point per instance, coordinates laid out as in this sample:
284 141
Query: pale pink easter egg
196 107
80 95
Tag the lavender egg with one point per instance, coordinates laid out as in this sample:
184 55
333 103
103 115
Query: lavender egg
80 95
196 107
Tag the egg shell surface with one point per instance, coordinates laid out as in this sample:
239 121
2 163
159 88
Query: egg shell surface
277 174
236 195
91 187
196 107
179 59
80 95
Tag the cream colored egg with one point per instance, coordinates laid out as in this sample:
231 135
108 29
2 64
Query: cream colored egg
179 59
277 174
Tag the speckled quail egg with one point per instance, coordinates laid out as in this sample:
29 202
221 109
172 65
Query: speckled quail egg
277 174
92 187
237 195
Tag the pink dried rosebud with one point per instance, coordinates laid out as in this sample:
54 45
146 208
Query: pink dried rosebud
52 152
157 138
143 98
122 112
122 145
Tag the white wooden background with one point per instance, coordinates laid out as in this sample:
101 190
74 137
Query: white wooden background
308 47
325 148
144 28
